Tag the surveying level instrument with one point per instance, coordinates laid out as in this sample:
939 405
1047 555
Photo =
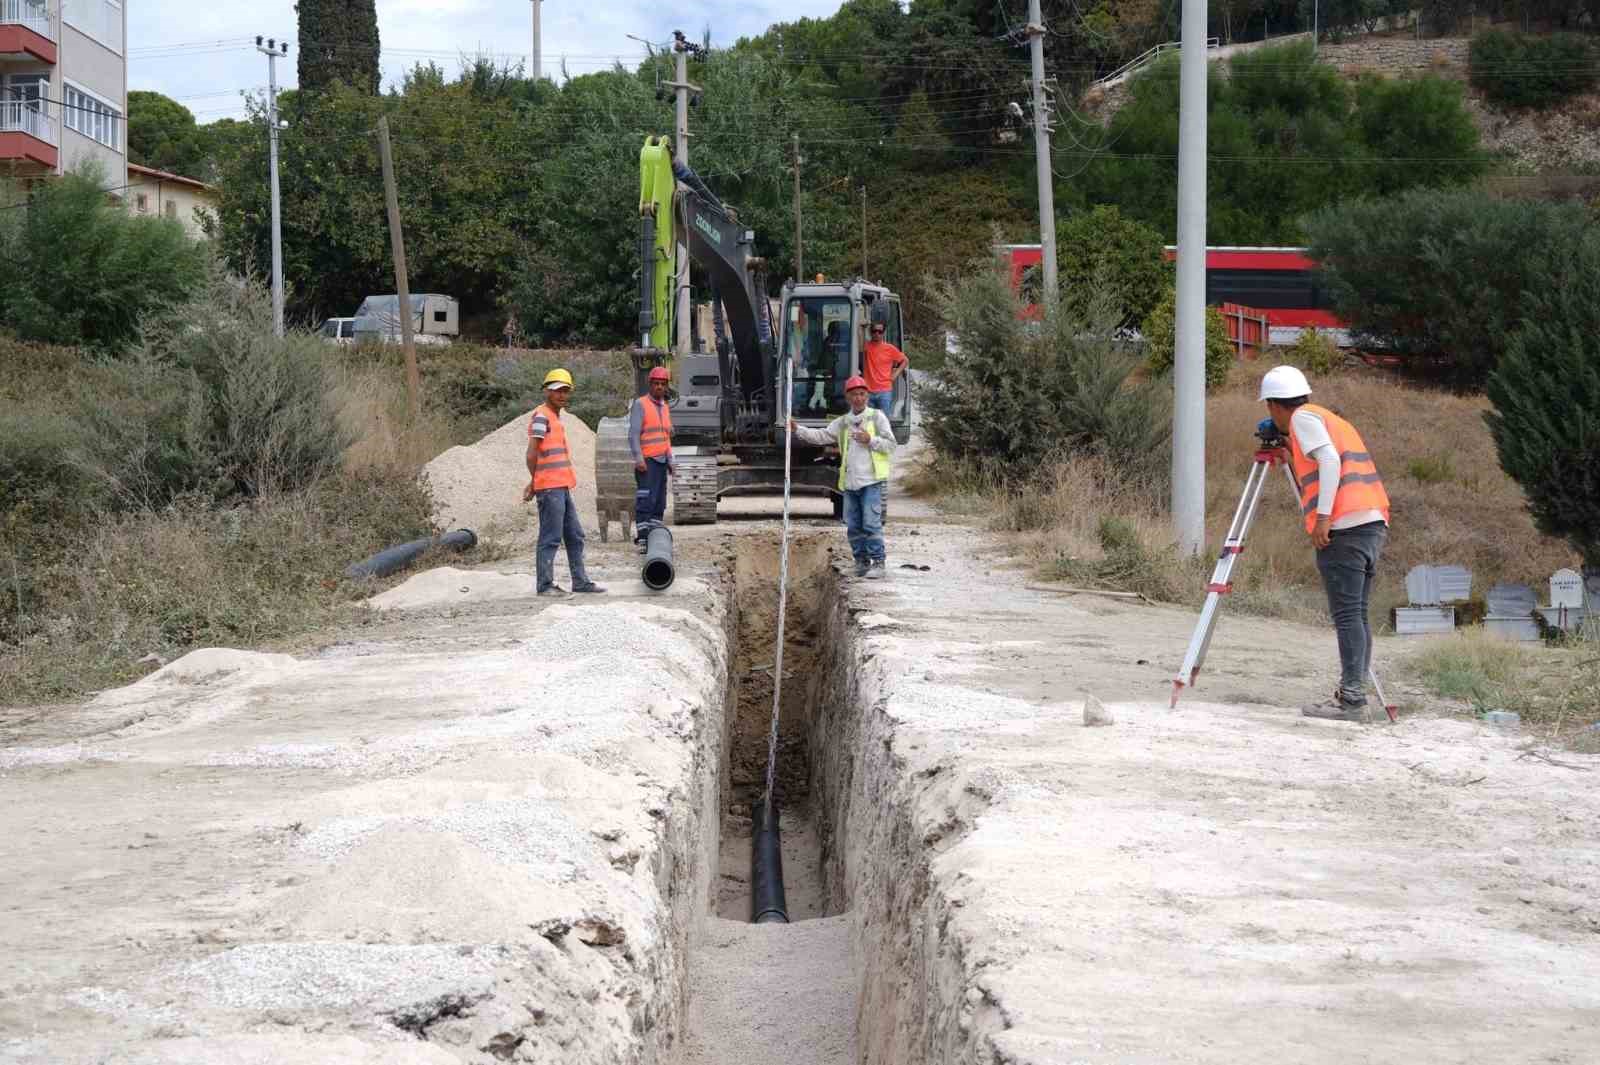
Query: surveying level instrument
1273 450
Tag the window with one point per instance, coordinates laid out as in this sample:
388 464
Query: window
143 203
441 317
92 117
172 210
817 336
30 89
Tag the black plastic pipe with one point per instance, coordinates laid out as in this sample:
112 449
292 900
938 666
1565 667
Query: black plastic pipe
395 559
767 904
658 573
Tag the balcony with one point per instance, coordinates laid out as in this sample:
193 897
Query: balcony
26 31
28 136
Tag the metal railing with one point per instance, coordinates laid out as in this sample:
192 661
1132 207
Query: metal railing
30 13
22 116
1148 56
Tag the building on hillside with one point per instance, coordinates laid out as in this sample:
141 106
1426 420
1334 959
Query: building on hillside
64 88
183 199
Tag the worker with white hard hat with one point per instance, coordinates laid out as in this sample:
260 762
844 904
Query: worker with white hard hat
552 477
1346 514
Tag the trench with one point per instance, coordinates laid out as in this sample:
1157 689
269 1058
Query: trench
864 971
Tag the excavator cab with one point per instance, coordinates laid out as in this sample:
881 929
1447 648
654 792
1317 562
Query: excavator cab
825 328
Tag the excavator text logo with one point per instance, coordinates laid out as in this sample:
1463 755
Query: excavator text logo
711 231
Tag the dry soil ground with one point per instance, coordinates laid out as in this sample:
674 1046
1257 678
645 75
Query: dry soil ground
485 828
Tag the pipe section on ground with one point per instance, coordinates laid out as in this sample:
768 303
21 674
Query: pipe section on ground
658 573
767 904
395 559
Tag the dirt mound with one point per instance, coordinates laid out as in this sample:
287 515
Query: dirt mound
479 486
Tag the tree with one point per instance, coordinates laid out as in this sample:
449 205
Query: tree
162 134
1161 335
1523 71
1437 275
75 269
1546 396
1102 254
338 43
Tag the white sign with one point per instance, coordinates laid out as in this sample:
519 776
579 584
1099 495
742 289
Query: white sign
1566 589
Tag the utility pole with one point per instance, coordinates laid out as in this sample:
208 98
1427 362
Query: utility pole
1189 361
1041 153
402 280
536 59
863 232
272 49
799 243
682 47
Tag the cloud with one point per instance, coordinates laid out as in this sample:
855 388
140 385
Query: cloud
203 55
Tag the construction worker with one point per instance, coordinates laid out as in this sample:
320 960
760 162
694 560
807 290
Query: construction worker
865 440
551 481
650 437
1347 517
883 364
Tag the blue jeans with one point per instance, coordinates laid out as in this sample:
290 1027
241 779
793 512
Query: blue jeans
863 521
649 497
881 400
1349 565
558 521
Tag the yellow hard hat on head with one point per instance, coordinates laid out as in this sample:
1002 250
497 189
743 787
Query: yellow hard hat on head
558 378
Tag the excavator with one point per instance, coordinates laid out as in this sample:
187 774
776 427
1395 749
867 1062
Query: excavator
728 401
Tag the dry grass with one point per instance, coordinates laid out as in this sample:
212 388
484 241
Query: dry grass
1461 509
1555 690
372 409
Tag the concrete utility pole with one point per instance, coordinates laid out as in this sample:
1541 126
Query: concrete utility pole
402 278
681 47
272 49
799 243
1189 360
1041 153
536 59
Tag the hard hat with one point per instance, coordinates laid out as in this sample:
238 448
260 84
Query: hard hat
558 378
1284 382
660 374
855 382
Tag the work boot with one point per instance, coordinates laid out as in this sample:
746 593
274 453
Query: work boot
876 571
588 588
1336 710
862 566
555 591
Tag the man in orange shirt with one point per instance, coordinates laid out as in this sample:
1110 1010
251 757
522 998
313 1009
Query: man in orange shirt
552 478
882 365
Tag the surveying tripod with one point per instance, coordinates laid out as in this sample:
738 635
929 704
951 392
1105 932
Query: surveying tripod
1273 451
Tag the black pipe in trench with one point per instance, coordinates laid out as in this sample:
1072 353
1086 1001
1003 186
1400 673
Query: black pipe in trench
395 559
767 904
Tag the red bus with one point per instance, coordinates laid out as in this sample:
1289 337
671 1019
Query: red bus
1282 283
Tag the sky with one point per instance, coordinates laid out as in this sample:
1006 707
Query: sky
203 54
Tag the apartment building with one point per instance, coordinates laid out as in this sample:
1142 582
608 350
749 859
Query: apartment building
63 87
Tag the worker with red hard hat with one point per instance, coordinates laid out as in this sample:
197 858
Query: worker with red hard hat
650 437
865 440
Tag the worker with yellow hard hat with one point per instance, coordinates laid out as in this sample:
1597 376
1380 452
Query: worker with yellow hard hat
552 478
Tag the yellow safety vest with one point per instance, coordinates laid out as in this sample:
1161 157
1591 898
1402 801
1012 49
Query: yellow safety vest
880 461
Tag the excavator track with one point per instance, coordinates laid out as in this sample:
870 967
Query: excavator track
613 475
694 491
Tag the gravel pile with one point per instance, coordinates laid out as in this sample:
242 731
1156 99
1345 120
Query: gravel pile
479 486
288 976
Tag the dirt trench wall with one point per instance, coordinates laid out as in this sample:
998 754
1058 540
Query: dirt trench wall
884 822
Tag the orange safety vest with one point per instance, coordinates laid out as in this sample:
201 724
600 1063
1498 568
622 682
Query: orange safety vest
655 430
555 461
1360 487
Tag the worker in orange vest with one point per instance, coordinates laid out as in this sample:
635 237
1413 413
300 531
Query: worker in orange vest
1346 515
552 478
650 437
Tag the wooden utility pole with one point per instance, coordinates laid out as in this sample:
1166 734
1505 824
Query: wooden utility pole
799 247
863 231
402 282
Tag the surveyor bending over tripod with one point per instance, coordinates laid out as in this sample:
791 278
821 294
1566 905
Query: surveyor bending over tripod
865 440
1347 517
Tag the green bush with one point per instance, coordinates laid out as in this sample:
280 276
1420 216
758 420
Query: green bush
77 269
1521 70
1439 276
1104 254
1017 394
1316 352
1161 336
1546 392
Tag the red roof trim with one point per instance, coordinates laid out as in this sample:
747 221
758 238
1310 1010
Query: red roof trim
162 175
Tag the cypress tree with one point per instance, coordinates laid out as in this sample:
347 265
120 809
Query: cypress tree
338 43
